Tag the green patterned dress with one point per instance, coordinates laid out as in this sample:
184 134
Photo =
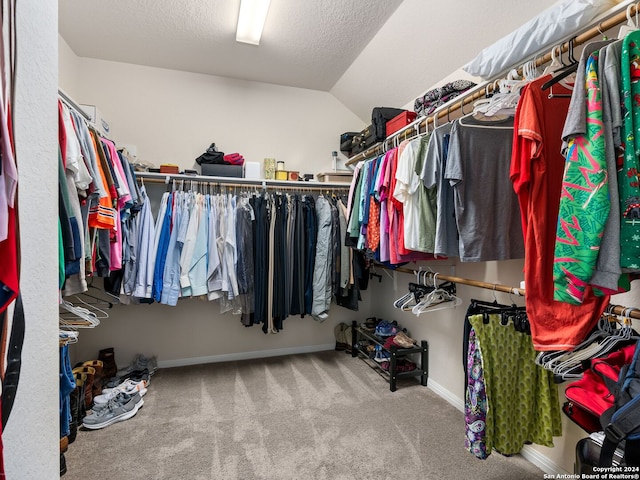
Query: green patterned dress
522 398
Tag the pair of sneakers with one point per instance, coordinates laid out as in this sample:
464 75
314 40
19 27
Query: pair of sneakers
381 355
387 329
119 408
140 362
130 387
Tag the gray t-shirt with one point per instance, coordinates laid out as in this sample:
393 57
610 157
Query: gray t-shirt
487 209
576 122
432 175
607 271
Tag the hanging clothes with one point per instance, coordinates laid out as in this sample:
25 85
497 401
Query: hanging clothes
432 175
628 180
522 398
419 202
536 171
486 208
585 191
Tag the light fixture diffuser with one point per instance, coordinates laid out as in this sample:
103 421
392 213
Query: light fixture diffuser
251 19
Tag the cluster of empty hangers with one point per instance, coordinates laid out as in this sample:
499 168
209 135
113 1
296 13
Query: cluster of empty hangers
426 295
612 332
84 310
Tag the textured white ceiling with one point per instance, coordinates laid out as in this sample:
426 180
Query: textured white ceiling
366 53
424 42
305 43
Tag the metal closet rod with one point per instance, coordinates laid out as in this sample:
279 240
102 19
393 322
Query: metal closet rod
481 91
496 287
235 182
623 311
69 101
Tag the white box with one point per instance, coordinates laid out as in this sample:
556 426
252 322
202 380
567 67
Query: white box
95 117
252 170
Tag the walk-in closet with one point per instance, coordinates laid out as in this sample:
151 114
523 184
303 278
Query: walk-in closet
368 240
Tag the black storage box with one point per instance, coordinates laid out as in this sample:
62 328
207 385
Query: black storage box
221 170
379 118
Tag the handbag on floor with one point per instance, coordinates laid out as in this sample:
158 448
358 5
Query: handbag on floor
588 456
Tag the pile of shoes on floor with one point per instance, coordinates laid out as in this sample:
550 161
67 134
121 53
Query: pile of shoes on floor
104 395
388 334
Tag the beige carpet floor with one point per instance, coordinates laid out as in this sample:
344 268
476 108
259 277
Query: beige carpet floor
322 416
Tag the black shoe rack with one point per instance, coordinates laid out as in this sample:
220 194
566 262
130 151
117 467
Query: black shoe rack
395 353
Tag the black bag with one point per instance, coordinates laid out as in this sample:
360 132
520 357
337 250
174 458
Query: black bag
379 118
346 142
211 156
622 421
588 456
363 140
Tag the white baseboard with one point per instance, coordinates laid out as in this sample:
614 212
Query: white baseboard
542 462
528 452
231 357
447 395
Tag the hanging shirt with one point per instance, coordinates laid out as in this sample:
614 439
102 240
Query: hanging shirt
584 200
629 174
487 210
536 171
383 192
189 243
446 231
214 273
146 241
608 274
8 175
419 203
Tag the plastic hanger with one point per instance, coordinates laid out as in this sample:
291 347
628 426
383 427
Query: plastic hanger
440 294
568 70
556 61
631 25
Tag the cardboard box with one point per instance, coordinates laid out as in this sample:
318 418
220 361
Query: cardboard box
340 177
217 170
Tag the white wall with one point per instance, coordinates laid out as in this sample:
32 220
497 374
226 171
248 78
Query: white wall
30 440
195 332
68 68
172 117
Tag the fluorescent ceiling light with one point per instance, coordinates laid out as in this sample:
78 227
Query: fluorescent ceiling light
253 14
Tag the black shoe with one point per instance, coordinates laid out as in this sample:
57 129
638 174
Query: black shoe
63 465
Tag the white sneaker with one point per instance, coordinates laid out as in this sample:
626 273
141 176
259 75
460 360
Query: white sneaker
129 387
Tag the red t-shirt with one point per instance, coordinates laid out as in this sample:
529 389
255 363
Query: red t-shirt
9 283
537 168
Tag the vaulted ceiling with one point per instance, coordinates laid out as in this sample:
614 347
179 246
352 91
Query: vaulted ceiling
365 52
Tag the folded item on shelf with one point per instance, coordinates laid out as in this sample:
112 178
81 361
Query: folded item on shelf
234 159
430 101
